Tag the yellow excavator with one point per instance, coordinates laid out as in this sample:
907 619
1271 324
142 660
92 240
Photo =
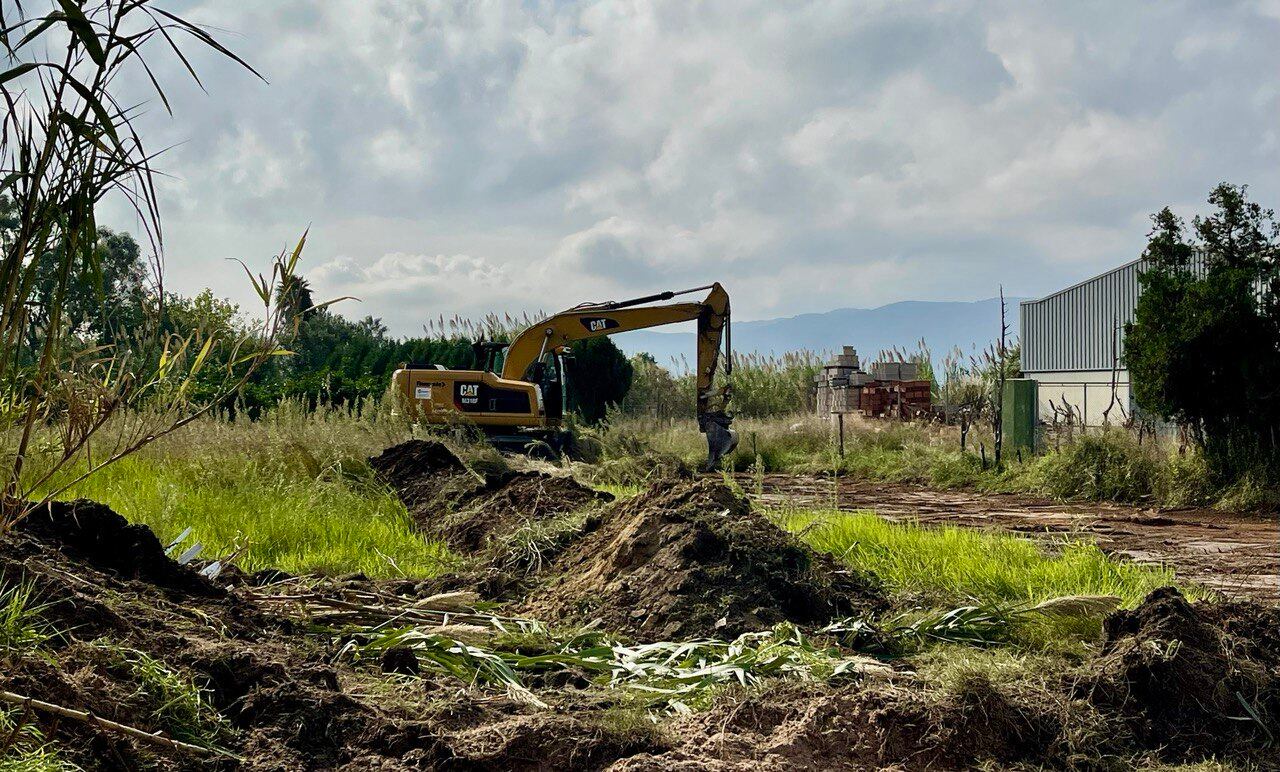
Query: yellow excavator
524 404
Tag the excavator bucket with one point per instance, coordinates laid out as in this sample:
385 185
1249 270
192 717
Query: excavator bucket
721 440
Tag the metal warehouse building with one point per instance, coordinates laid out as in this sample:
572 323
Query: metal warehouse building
1073 346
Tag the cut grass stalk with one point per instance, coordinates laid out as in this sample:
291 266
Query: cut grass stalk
667 674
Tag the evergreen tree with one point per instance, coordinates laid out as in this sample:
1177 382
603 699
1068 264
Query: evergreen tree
1204 346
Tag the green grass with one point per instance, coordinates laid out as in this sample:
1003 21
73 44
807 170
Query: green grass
293 522
178 706
294 490
21 626
27 750
947 565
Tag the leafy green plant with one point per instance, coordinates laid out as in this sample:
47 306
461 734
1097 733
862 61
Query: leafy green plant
67 142
22 628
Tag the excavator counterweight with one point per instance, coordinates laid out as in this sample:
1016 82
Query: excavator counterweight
525 403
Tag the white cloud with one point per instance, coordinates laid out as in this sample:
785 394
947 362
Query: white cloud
808 155
400 270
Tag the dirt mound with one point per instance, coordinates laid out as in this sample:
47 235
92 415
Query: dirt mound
547 742
94 533
422 471
1194 679
469 510
808 727
275 694
693 559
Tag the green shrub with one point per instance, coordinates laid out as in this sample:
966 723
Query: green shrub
1252 492
1108 466
1185 481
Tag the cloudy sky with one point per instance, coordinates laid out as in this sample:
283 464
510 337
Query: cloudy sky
457 157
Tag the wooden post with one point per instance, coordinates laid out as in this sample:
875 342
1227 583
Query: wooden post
840 421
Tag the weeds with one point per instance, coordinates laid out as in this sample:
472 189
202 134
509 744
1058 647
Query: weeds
178 706
979 626
21 626
527 549
1100 467
23 747
296 488
1108 465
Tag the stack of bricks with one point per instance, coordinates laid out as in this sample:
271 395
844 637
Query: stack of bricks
840 383
891 390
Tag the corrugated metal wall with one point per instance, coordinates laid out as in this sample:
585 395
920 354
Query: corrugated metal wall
1082 327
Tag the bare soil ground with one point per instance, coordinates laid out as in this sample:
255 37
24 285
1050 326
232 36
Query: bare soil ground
1171 680
1237 554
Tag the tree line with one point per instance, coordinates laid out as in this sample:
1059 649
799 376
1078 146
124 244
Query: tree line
330 359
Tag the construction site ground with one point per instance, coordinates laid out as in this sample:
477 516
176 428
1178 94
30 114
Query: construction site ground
288 672
1237 554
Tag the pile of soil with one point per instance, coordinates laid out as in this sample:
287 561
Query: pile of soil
686 560
1173 680
92 532
1197 679
470 510
1169 685
284 701
808 727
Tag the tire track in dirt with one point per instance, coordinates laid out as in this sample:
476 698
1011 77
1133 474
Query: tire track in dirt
1235 553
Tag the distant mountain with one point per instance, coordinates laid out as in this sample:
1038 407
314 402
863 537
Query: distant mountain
942 325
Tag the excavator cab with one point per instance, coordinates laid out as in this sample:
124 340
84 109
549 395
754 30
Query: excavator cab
489 354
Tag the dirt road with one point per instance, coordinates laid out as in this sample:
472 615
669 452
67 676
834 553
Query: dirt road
1236 554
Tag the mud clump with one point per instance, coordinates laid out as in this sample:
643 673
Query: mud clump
96 534
1193 679
467 509
694 560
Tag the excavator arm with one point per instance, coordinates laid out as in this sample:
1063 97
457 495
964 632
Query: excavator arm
594 320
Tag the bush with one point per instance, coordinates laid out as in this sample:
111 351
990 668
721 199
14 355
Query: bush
1185 481
1110 466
